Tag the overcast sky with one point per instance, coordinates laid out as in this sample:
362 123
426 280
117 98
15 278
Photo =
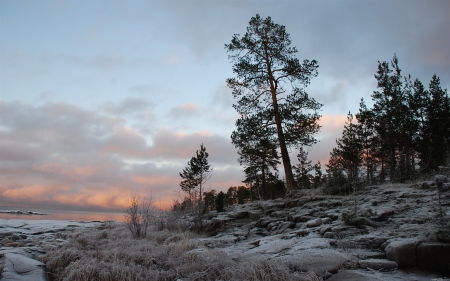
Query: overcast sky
99 99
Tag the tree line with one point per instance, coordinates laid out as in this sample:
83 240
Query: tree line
404 135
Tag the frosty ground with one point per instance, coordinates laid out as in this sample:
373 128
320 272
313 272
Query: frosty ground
395 234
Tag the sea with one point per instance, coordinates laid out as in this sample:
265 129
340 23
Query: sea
44 214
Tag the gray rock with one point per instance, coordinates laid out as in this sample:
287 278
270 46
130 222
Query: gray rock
15 238
403 252
314 223
254 215
440 178
329 235
21 268
241 214
325 229
351 275
378 264
285 226
434 256
428 185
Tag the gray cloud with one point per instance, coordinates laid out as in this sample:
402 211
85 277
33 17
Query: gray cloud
186 110
65 155
130 105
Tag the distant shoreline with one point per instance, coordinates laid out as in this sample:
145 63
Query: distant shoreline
67 215
19 212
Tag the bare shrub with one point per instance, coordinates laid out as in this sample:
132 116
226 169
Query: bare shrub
139 216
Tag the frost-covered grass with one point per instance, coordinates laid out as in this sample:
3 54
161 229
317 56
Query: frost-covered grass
110 253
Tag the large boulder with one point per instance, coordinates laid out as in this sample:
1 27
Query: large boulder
434 256
403 252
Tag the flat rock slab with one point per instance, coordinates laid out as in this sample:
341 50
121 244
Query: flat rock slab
353 275
314 260
21 268
378 264
394 275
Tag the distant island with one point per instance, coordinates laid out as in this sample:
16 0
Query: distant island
18 212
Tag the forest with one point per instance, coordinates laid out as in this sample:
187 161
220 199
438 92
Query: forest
404 136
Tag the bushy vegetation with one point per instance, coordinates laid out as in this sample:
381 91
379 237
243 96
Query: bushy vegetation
110 253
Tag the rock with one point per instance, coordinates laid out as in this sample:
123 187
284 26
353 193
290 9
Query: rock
440 178
329 235
428 185
21 268
351 275
15 238
285 226
333 216
434 256
303 232
324 229
370 241
254 215
279 214
403 252
383 214
445 186
240 214
314 223
378 264
326 220
263 223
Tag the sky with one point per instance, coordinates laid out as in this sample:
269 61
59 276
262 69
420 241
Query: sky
103 99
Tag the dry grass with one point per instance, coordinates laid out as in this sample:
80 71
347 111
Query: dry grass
110 253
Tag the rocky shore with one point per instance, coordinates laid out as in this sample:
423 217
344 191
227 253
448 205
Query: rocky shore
386 232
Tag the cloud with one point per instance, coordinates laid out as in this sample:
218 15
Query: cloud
65 156
141 88
174 145
128 105
185 110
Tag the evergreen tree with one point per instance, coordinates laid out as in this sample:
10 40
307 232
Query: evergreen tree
317 174
257 153
420 101
437 128
349 147
269 86
220 201
369 140
302 169
197 172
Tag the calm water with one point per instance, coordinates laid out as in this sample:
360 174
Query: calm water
59 215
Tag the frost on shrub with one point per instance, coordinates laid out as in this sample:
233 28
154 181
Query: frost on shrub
139 216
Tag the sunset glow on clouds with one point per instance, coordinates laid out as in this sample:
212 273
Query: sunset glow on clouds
99 100
79 158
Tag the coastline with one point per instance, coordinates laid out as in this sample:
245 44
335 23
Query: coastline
22 241
47 214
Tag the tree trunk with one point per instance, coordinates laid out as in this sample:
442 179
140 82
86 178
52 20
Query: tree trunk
284 152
